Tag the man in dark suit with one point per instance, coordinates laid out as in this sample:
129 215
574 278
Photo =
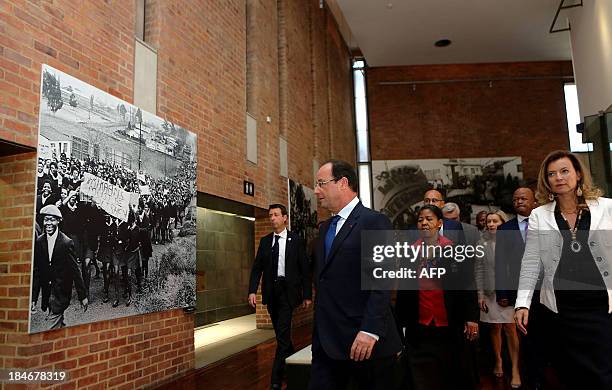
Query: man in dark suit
511 237
354 336
286 283
55 260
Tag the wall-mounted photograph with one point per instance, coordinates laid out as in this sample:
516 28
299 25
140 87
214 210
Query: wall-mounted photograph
115 231
475 184
303 212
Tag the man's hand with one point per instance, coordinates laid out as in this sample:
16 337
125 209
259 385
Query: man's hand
87 261
306 304
470 330
84 303
362 347
253 300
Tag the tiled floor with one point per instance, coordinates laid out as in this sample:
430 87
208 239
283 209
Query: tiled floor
226 338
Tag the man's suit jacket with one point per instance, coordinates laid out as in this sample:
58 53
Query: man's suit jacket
342 308
471 233
509 249
61 272
297 275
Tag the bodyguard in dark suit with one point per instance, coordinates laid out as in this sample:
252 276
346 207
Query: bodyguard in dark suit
509 251
285 284
354 336
55 260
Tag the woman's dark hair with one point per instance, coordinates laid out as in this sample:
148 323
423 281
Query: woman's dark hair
434 209
282 208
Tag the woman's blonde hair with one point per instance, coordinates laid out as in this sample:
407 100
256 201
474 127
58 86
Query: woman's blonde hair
487 235
544 192
503 216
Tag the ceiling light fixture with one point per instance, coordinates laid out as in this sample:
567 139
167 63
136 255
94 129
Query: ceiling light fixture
443 43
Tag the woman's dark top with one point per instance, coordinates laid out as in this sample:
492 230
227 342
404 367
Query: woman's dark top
578 283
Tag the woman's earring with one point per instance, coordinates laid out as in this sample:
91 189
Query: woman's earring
551 196
579 191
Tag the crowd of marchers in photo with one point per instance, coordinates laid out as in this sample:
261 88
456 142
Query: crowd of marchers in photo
75 236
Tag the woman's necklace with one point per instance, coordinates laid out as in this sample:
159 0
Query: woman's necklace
575 245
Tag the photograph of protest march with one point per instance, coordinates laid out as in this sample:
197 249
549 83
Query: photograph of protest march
302 211
115 231
475 184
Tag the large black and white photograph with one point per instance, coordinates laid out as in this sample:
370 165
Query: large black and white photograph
115 230
474 184
303 211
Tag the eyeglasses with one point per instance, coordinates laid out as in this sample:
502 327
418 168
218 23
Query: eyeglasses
431 200
321 183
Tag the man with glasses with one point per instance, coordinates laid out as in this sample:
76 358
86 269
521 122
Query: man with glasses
354 336
286 283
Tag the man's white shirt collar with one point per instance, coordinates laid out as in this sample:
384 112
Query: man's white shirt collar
520 218
283 234
348 209
51 243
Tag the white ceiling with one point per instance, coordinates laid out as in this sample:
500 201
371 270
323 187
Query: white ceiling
403 32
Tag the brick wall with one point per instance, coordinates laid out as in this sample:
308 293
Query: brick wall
298 70
126 353
215 60
521 115
76 40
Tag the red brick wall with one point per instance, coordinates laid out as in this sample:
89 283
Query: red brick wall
77 40
511 117
128 353
204 52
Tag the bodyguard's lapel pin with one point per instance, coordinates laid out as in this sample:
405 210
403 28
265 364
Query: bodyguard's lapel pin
289 239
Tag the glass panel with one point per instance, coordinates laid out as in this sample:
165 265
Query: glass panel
359 84
363 146
358 64
361 114
365 187
573 118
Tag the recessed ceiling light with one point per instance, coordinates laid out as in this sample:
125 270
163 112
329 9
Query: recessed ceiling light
389 5
442 43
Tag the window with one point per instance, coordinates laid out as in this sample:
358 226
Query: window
573 118
362 136
80 148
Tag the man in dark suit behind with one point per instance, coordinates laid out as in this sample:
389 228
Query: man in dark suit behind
54 258
354 334
286 283
509 251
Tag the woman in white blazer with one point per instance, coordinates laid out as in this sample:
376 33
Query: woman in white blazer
569 245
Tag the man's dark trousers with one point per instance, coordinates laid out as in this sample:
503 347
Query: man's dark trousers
280 312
